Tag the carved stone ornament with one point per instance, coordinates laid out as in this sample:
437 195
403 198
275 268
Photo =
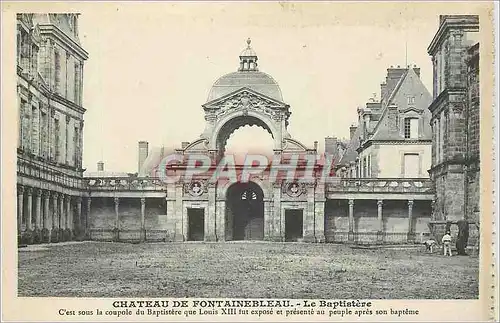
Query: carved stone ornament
295 189
196 188
248 101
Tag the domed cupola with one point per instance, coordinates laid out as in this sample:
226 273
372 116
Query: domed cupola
248 59
248 75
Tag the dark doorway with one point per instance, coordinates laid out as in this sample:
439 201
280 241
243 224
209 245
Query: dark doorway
293 225
196 218
245 212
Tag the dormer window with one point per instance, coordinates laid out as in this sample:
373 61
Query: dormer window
411 128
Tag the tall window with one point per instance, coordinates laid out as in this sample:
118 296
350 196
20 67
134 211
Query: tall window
442 128
21 123
249 195
77 84
34 130
76 139
43 126
411 128
57 71
57 143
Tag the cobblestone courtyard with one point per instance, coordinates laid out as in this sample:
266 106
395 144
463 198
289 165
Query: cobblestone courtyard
243 270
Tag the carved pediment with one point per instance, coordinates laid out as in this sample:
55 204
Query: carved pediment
198 145
411 109
293 145
246 100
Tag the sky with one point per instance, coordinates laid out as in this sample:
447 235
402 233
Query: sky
151 67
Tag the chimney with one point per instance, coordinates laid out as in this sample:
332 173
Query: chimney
331 146
352 130
383 90
143 154
392 118
316 145
185 144
100 166
393 76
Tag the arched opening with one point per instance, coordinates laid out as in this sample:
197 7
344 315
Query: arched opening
245 212
245 134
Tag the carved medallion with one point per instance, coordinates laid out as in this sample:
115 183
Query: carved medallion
196 188
294 189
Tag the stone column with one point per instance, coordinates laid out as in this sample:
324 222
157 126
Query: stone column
411 234
79 221
170 206
181 221
350 235
87 218
210 217
319 212
62 215
276 234
220 224
267 216
117 218
319 221
29 209
20 206
55 211
380 232
143 219
69 213
47 219
38 209
308 223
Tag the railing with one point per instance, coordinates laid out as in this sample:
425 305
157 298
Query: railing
39 170
124 184
381 185
373 237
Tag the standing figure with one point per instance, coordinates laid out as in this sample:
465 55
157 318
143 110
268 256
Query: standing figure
446 240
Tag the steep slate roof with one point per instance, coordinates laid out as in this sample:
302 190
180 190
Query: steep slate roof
399 98
378 125
351 153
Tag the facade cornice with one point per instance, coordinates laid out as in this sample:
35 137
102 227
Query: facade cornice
436 104
65 39
49 95
461 22
369 143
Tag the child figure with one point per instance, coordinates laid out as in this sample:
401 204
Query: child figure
429 245
446 243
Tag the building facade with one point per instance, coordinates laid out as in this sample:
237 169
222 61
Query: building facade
50 64
382 192
389 150
391 209
455 120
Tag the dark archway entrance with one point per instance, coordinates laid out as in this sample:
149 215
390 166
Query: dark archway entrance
245 212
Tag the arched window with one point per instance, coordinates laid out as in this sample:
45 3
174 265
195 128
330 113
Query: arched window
249 194
411 128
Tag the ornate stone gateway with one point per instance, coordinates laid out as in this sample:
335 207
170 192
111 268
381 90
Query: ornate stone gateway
245 212
253 209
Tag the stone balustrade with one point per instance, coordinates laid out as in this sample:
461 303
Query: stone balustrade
381 185
31 168
124 184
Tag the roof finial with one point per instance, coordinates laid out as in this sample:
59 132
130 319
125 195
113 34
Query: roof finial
249 41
